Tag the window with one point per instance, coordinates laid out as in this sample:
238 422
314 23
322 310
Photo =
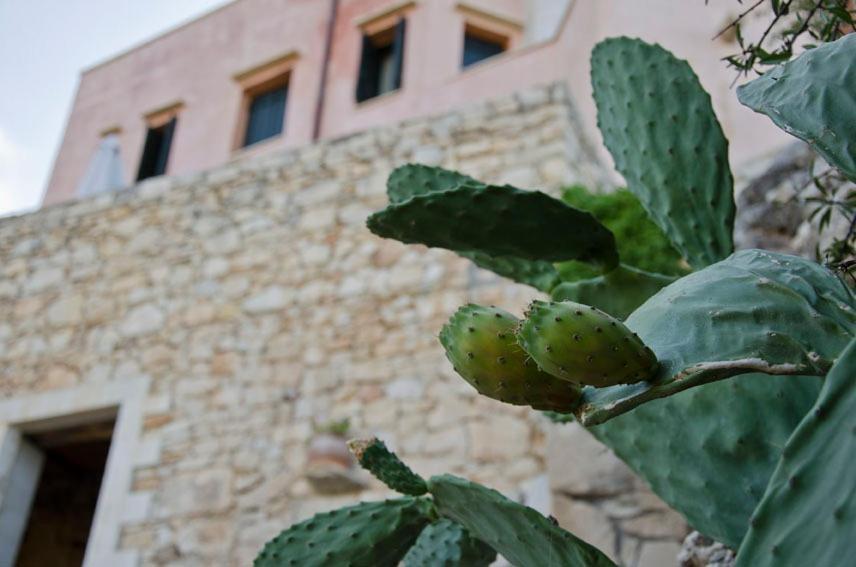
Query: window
265 100
158 142
382 62
480 45
266 115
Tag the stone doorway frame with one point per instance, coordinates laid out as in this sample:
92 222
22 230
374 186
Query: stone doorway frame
68 407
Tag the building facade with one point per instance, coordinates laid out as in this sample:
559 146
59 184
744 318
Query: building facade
259 76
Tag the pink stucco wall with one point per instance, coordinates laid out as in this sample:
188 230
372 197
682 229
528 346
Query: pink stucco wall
196 65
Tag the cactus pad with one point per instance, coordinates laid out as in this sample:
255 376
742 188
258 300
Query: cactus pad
756 311
447 544
520 534
415 179
813 98
540 275
618 292
582 344
372 534
708 452
373 456
808 514
659 126
481 345
499 221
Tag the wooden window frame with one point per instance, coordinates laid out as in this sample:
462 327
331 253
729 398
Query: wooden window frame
258 80
154 120
489 26
377 30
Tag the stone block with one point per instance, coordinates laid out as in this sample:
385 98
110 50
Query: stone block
587 523
498 438
142 320
269 299
658 554
204 491
579 465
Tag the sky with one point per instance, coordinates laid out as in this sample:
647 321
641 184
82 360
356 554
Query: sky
44 44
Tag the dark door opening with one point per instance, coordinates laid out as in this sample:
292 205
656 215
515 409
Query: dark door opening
66 495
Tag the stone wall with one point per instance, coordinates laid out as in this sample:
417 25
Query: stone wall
255 305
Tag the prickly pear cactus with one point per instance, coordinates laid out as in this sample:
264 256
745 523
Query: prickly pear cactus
808 513
658 123
584 345
498 221
373 534
812 98
447 544
373 456
618 292
481 345
520 534
537 273
709 451
415 179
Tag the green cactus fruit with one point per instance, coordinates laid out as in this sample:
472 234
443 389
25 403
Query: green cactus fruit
658 123
415 179
373 456
808 513
582 344
520 534
447 544
812 98
480 343
498 221
371 534
618 292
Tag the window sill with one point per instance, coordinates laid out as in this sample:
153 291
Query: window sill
378 99
257 146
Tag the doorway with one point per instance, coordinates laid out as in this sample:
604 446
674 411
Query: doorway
63 504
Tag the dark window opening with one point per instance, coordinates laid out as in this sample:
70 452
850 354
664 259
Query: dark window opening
381 63
266 115
156 151
479 46
62 510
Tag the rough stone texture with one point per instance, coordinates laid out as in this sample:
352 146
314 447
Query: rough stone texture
701 551
598 497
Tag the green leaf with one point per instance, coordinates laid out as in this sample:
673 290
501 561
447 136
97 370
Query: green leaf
498 221
659 126
641 243
808 513
813 98
520 534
